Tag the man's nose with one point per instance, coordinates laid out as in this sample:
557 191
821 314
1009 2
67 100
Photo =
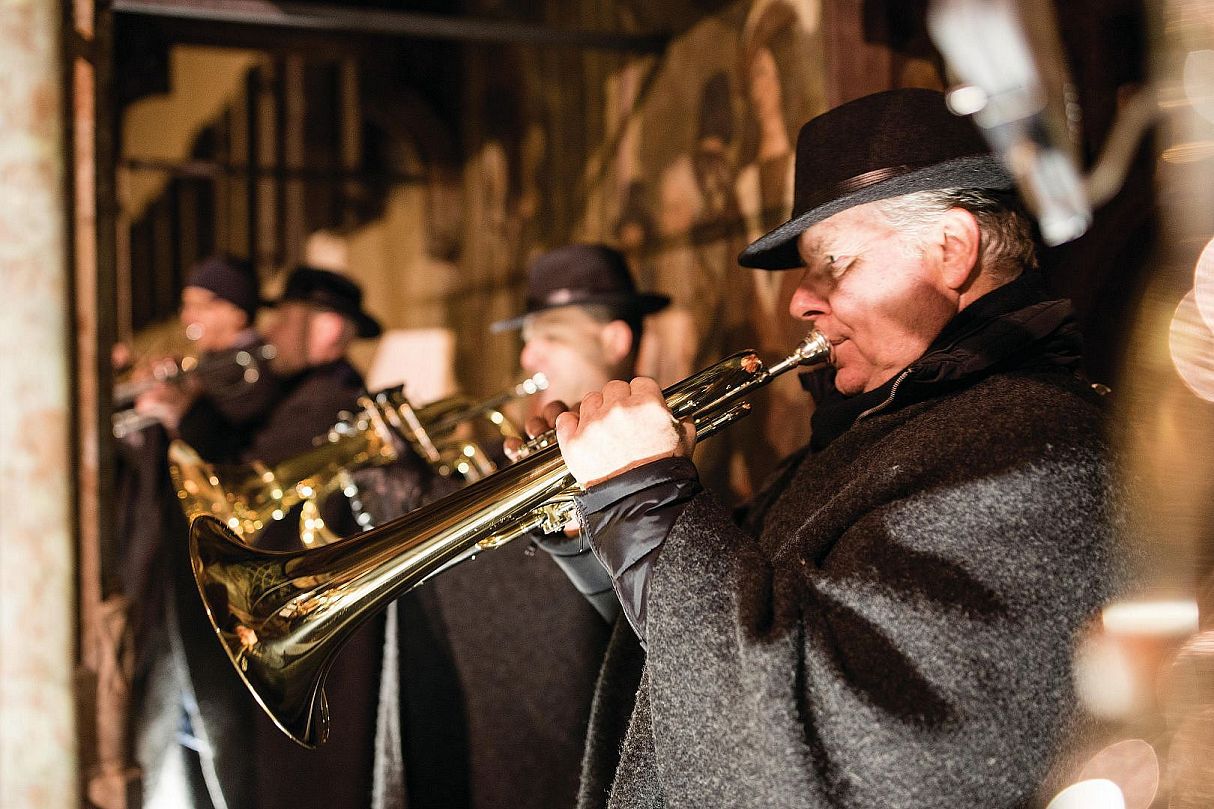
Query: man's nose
807 302
529 358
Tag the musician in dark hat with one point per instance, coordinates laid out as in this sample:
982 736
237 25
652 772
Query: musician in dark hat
468 716
229 387
893 621
583 320
182 705
317 316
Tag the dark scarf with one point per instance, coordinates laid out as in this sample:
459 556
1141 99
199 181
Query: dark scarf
1017 326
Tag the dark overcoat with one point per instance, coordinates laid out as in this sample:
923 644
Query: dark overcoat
894 622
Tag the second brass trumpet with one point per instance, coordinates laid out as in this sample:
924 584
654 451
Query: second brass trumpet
249 497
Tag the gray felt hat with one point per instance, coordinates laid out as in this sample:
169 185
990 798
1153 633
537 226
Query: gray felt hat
880 146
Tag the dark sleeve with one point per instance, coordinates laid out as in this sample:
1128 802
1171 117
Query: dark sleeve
234 401
300 420
243 396
390 491
628 518
577 561
212 436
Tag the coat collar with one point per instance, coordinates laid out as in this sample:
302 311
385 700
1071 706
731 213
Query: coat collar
1015 327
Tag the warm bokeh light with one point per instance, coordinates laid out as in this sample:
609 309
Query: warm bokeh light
1199 82
1133 765
1105 679
1151 618
1191 343
1203 284
1096 793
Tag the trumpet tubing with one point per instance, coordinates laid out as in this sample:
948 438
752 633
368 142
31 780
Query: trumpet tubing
281 617
250 497
126 421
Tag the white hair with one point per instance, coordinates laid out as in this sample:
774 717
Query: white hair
1006 246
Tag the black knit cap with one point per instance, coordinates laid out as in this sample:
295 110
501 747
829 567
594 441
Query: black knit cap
585 275
232 279
880 146
331 292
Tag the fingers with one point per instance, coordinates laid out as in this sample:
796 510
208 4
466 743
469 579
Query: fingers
542 423
552 410
566 426
535 425
511 447
646 387
687 435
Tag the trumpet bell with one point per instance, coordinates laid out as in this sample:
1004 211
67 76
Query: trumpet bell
282 616
240 587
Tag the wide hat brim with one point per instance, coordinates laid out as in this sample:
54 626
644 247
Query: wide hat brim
777 250
879 146
365 326
638 304
331 292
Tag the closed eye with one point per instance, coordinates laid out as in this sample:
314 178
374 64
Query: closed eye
837 265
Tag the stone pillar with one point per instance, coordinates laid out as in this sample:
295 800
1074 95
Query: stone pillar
37 634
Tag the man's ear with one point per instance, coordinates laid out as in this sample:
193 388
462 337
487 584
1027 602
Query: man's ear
961 240
616 339
326 336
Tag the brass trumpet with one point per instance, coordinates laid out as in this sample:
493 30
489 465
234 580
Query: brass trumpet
249 497
281 617
246 361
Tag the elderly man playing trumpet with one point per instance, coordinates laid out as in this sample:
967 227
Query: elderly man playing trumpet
892 622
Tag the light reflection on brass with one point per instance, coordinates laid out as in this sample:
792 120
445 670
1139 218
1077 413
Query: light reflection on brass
249 497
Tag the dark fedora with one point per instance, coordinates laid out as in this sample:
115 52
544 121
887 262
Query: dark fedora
230 278
331 292
876 147
583 275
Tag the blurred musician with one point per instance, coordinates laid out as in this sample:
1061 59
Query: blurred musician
181 703
490 667
317 317
216 407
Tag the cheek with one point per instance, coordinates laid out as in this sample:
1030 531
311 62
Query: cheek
897 326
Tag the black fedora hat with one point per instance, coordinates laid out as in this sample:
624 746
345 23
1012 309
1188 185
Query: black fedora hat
876 147
331 292
583 275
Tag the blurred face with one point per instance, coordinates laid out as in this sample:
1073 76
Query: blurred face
289 336
305 336
878 295
211 322
569 347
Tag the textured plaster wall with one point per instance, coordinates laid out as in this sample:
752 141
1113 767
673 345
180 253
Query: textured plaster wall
37 735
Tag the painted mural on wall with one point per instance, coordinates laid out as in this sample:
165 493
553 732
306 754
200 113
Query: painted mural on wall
679 159
706 169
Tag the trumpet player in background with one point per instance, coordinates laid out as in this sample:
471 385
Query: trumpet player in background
893 622
216 404
490 667
316 318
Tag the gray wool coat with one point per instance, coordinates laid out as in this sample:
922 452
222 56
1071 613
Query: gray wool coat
892 626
